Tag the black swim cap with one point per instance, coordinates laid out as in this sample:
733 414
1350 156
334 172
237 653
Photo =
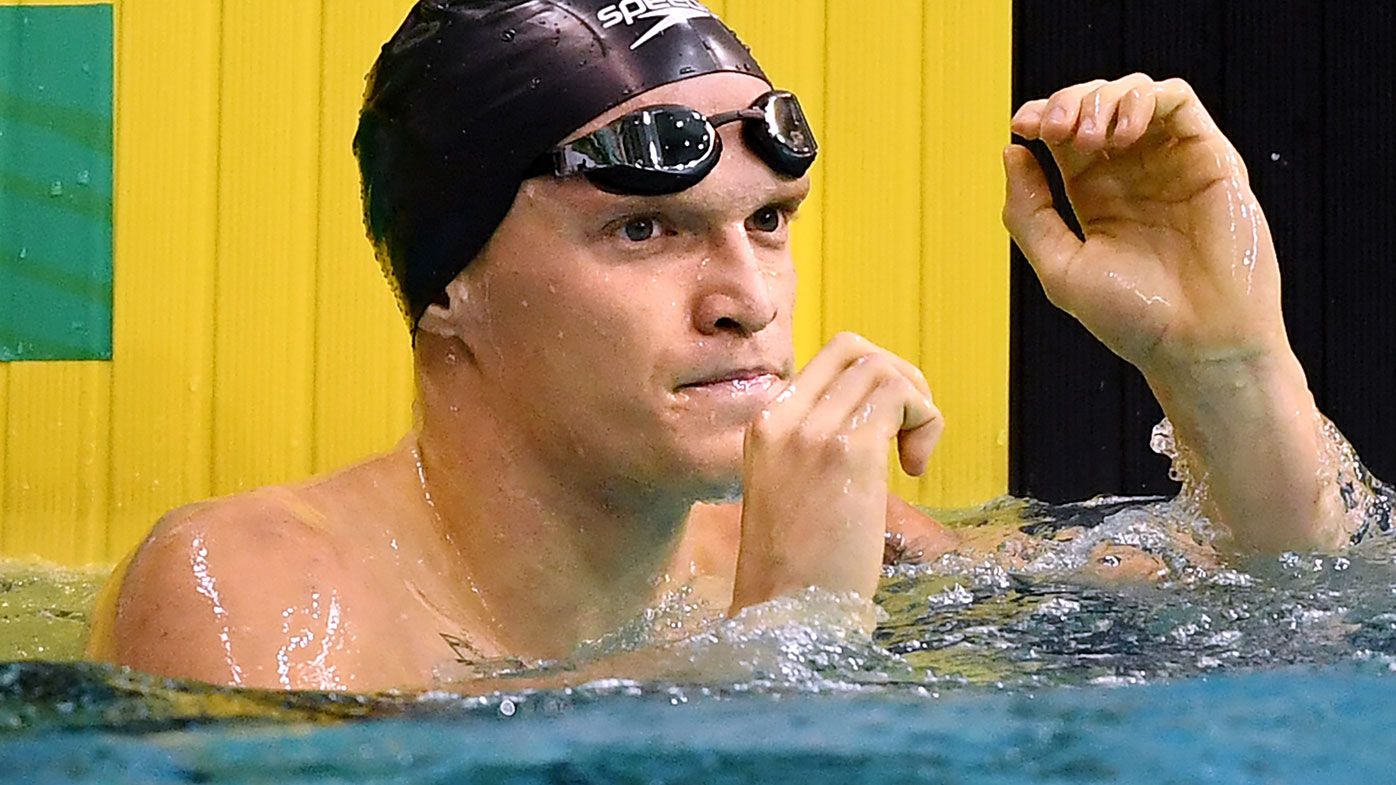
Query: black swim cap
469 93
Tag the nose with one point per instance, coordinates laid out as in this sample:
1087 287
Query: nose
734 291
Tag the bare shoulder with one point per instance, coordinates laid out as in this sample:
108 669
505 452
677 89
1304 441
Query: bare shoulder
219 590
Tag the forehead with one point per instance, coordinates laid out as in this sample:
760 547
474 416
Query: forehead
709 94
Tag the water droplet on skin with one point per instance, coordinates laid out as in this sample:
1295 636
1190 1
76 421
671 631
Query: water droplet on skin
552 288
535 82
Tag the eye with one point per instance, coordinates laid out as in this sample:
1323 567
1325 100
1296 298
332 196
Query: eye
767 219
638 230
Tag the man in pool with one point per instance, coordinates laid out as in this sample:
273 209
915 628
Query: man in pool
585 211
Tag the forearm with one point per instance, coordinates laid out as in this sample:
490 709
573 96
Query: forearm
1252 436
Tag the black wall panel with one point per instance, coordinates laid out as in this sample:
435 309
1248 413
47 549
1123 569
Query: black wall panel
1305 91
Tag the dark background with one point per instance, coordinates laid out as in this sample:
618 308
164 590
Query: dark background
1304 91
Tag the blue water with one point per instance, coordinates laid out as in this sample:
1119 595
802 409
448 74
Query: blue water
1288 726
1019 667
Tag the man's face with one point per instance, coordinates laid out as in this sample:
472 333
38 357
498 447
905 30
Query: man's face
632 338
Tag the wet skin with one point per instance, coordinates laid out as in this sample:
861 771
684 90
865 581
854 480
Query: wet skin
609 362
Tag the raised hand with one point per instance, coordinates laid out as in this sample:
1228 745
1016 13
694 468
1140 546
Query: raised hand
815 505
1177 267
1177 274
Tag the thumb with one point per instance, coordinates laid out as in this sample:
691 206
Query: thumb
1046 240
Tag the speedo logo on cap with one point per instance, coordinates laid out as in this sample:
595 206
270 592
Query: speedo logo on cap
667 13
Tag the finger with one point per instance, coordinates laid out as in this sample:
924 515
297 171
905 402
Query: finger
1180 110
888 404
842 351
894 407
1028 214
841 407
1135 113
915 446
831 360
1064 111
1098 111
1027 121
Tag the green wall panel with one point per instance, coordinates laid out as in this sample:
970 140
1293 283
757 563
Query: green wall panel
55 182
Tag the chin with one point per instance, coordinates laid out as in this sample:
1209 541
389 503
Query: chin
715 477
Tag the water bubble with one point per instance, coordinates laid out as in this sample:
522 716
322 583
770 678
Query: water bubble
84 177
56 188
508 35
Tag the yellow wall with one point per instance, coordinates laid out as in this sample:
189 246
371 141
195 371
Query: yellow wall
254 340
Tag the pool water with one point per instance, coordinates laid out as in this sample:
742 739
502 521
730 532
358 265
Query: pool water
1016 666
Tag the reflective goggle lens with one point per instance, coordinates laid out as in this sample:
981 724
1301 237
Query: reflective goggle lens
667 138
786 123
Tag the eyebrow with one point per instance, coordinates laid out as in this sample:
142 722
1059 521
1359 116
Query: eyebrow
788 195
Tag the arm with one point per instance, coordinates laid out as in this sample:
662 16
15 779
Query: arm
1177 274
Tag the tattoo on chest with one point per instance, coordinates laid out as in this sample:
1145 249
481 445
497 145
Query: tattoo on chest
462 648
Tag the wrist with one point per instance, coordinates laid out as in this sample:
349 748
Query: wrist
1220 397
1264 371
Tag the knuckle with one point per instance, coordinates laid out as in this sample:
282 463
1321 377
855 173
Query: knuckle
883 367
848 338
1060 97
1178 84
762 430
807 440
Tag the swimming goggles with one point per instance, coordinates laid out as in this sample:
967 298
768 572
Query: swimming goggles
669 148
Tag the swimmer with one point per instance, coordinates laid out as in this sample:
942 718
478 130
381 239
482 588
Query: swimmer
586 219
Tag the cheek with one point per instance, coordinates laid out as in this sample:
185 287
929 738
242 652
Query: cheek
576 343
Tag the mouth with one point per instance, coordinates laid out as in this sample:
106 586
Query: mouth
734 381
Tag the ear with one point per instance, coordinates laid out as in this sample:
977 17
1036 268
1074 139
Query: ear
450 320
